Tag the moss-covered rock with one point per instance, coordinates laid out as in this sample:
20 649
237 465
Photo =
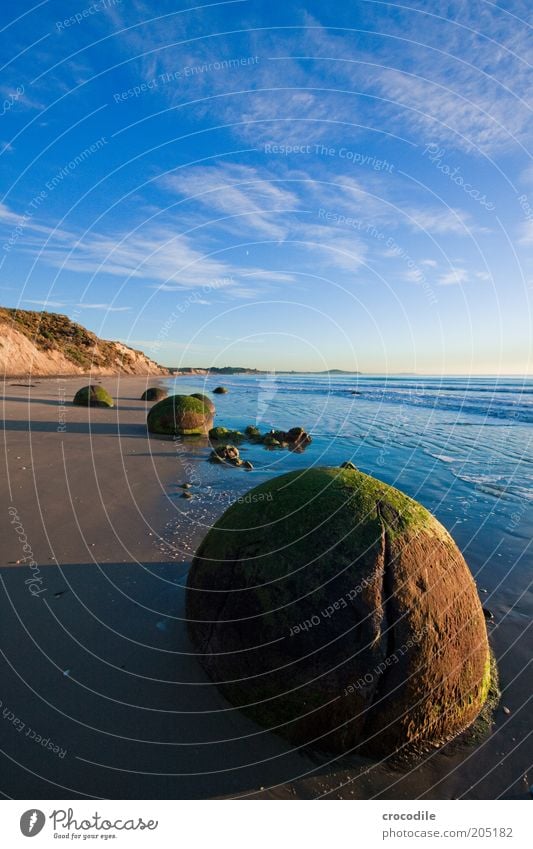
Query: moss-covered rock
337 611
253 433
223 434
180 415
271 441
93 396
220 390
154 393
205 400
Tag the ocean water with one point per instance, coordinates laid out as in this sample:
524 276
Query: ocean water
461 446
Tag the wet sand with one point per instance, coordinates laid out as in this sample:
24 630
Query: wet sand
101 693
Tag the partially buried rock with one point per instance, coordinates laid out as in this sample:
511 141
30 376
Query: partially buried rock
348 465
226 454
205 400
338 612
154 393
179 415
270 441
220 390
93 396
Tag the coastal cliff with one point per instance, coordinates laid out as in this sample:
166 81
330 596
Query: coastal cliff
43 343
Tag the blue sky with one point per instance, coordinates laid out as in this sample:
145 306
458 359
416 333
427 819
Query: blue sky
279 185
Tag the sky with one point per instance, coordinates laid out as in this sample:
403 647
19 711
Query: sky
281 186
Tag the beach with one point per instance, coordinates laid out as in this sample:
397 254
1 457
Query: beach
102 696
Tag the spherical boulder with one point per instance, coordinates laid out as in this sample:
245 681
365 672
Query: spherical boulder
205 400
220 390
179 415
93 396
154 393
338 612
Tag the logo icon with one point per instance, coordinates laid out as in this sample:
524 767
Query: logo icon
32 822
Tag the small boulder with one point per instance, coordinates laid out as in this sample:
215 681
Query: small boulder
220 390
253 433
349 465
93 396
179 415
154 393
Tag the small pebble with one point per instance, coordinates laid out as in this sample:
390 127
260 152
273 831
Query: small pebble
488 614
506 711
186 494
185 485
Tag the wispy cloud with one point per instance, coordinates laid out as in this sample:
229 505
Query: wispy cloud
236 190
455 277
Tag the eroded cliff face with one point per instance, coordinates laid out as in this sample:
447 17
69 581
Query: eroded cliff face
41 344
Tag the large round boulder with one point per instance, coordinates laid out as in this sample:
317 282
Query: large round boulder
93 396
340 613
205 400
154 393
180 415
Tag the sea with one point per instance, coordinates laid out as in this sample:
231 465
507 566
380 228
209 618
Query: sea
462 446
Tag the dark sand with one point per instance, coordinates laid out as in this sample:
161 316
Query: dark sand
99 664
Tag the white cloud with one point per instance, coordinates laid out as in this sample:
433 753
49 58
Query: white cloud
106 307
454 277
45 303
236 190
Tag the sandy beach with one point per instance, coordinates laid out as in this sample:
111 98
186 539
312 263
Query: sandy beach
101 693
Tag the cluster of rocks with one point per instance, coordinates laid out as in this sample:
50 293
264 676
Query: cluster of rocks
296 439
230 455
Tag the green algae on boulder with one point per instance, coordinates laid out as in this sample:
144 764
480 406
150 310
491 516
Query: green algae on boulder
93 396
205 400
154 393
220 390
180 415
223 434
340 613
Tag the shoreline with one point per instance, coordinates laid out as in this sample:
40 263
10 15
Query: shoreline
100 664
